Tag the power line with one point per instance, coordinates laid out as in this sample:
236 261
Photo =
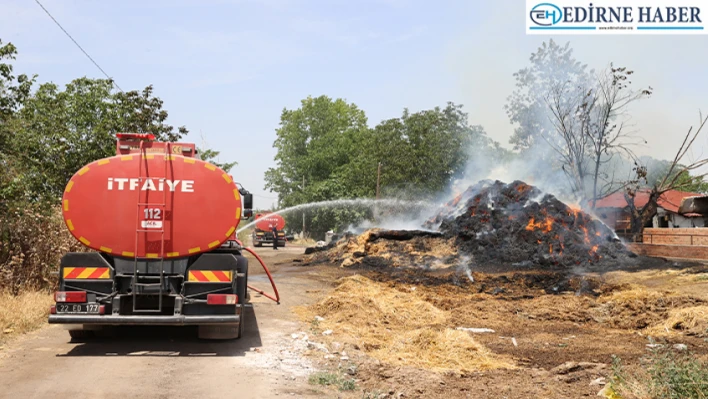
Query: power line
77 44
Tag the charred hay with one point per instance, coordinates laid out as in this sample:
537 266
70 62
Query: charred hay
517 223
512 226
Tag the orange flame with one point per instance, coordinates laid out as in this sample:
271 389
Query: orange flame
455 201
585 231
545 225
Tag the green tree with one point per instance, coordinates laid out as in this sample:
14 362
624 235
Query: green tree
60 131
327 143
656 169
420 153
315 143
689 183
13 92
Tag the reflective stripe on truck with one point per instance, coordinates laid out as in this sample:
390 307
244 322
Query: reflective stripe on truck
80 273
210 276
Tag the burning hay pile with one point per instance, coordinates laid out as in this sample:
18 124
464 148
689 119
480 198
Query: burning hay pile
491 223
517 223
392 249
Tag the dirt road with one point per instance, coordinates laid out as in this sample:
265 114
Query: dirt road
171 362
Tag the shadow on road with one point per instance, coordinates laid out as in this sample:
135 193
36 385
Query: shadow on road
168 341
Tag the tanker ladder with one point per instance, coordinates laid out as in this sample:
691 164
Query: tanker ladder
146 284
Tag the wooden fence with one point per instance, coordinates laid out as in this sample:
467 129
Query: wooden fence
686 243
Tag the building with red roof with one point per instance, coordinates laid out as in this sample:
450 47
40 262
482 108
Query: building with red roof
614 210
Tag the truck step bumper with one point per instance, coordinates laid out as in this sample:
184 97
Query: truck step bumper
180 320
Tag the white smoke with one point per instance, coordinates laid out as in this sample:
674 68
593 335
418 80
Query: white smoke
465 265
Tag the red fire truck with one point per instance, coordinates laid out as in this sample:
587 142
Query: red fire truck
263 230
161 224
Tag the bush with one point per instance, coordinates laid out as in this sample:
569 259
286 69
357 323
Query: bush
333 379
666 373
32 241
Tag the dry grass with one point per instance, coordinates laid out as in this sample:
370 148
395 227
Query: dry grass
32 241
692 320
308 242
639 308
22 313
438 350
398 328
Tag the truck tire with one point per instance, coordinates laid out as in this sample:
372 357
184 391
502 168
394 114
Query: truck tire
79 335
224 331
241 324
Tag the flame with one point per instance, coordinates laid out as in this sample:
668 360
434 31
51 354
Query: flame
574 211
545 225
585 231
597 233
538 241
550 248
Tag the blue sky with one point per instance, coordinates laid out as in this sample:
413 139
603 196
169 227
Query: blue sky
227 68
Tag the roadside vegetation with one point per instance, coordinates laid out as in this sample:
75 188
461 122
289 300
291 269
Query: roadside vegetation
666 373
337 380
23 313
47 133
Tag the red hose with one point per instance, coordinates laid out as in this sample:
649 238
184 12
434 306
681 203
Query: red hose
272 283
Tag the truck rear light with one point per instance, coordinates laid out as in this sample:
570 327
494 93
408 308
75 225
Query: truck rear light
102 309
53 309
70 296
222 299
135 136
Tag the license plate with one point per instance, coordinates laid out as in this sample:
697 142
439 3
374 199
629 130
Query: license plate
73 308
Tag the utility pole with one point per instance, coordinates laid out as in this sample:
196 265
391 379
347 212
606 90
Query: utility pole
303 211
378 180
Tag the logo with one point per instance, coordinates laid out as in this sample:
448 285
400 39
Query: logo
177 149
120 184
546 14
616 17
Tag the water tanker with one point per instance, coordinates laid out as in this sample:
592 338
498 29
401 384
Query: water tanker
161 224
263 230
